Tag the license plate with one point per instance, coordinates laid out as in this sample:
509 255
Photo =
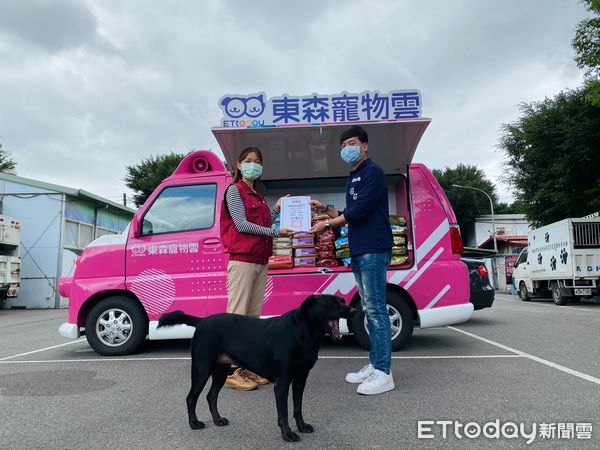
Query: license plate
583 291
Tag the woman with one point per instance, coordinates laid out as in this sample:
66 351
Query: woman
248 238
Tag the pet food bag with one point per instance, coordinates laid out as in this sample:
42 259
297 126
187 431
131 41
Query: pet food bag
305 262
281 262
305 252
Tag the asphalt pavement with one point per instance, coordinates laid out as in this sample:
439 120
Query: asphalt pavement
532 365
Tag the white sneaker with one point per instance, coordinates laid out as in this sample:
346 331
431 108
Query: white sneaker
361 375
378 383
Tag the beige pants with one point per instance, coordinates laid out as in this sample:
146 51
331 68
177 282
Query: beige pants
246 287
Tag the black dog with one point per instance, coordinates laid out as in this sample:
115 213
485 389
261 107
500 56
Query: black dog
282 349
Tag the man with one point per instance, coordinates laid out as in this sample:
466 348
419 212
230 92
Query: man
371 241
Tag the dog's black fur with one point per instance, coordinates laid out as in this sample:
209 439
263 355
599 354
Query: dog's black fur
282 349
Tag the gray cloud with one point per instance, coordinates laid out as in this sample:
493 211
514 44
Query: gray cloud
89 87
51 25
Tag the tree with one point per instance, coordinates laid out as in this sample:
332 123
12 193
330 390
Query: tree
587 48
467 203
143 178
6 162
552 157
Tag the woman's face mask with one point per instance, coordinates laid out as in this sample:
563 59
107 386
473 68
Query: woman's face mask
351 154
251 170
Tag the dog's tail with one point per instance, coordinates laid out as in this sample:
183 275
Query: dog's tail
177 318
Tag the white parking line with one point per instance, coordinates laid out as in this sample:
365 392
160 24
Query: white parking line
186 358
42 349
553 306
575 373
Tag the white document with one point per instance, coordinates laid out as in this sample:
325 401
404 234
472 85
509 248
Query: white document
295 213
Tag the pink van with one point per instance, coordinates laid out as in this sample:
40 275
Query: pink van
171 256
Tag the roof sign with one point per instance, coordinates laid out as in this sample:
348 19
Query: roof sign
256 111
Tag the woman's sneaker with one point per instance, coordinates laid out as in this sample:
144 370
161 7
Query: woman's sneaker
378 383
239 381
254 377
361 375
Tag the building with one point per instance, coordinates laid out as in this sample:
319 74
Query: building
511 237
511 231
57 222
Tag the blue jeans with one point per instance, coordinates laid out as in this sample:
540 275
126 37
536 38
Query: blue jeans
370 272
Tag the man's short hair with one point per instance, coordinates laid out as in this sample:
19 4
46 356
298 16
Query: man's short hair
355 131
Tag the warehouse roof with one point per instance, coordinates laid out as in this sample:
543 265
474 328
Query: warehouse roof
55 188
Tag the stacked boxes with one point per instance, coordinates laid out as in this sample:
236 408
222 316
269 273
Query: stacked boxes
305 254
324 250
282 250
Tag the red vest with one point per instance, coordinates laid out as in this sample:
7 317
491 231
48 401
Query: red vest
246 247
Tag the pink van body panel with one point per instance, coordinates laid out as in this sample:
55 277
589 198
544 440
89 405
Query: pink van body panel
188 270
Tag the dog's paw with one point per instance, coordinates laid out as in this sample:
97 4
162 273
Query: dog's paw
197 425
306 428
290 436
221 422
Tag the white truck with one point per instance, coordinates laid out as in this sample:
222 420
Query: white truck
562 260
10 262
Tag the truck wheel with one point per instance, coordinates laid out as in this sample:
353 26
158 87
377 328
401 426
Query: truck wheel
401 319
523 294
116 326
557 297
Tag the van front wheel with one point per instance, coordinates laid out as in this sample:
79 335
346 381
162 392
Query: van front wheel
401 321
116 326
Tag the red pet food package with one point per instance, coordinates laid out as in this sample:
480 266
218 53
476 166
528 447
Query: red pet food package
303 242
325 254
305 252
326 236
281 262
325 246
305 262
329 262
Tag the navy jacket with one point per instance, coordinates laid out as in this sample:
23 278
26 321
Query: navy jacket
367 210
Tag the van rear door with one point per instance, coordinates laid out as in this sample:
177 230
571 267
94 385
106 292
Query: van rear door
311 152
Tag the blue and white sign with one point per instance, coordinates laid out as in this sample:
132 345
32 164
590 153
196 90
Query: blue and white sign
257 111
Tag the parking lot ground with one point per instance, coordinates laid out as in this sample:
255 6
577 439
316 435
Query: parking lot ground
526 363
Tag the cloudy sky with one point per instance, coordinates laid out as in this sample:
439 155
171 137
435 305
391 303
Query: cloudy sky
89 87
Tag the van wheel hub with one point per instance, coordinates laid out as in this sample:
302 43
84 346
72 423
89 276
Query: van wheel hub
114 327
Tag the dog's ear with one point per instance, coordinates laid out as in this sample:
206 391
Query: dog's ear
307 305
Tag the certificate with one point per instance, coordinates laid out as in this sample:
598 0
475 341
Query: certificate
295 213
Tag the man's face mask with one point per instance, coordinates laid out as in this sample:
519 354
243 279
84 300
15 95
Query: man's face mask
251 170
351 154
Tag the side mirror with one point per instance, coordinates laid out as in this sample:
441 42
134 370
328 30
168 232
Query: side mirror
136 227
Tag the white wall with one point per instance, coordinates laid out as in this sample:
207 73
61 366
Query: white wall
41 223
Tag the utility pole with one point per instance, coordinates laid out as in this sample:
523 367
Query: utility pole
491 207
